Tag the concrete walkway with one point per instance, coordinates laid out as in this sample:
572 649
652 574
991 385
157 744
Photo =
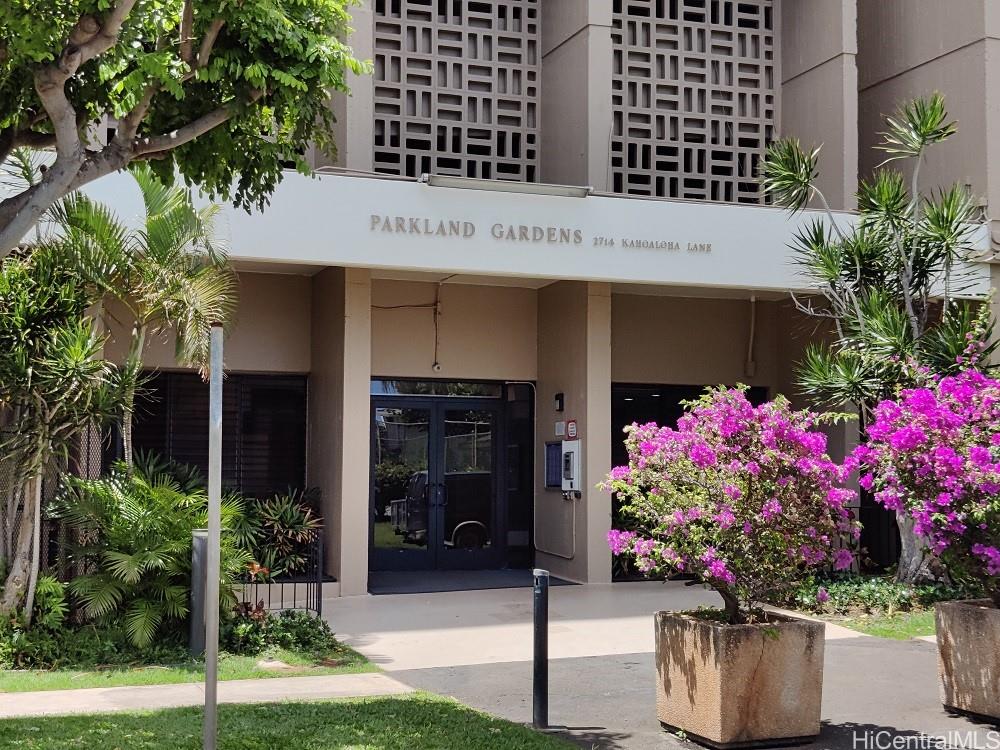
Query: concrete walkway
475 646
459 628
149 697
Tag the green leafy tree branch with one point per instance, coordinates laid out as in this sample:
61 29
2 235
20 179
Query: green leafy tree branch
227 93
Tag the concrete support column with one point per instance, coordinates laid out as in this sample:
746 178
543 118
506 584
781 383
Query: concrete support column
574 358
576 92
354 112
819 88
339 391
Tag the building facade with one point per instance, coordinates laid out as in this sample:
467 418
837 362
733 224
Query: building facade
543 222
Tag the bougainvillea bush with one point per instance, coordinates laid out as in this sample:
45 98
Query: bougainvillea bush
934 453
744 498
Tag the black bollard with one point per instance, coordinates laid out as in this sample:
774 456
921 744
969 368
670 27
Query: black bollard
540 682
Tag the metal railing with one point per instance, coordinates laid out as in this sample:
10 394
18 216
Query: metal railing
302 591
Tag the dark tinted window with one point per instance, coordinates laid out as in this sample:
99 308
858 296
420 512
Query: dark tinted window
263 428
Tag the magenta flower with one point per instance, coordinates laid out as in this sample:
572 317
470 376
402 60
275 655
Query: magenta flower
725 517
620 541
842 559
771 509
702 456
932 455
742 496
822 595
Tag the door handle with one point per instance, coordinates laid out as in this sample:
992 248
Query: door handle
443 495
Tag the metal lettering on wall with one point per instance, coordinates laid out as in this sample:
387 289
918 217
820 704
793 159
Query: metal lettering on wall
456 88
425 226
693 97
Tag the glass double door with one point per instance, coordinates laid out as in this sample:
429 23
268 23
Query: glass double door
434 484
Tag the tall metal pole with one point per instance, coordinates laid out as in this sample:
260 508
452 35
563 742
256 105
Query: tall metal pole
540 673
210 725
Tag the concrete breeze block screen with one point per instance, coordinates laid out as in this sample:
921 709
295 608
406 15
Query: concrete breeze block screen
456 88
693 97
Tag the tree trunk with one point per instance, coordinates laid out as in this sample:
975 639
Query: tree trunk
732 607
912 553
19 572
133 367
127 429
36 550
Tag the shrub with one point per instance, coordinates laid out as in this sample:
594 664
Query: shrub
934 454
744 498
84 647
855 594
134 535
51 606
277 532
252 630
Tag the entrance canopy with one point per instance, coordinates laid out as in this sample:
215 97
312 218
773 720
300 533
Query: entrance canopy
356 221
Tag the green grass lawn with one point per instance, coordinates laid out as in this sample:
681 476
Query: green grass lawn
231 667
388 723
386 537
899 626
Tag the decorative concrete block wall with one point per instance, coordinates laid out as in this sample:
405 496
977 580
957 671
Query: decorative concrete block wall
456 88
693 97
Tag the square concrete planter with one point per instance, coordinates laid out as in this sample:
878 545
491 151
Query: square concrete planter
739 685
968 636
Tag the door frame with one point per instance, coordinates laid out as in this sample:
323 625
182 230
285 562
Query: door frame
435 556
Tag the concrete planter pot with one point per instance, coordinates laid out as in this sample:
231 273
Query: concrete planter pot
968 637
739 685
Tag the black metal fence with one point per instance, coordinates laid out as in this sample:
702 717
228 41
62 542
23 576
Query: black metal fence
304 591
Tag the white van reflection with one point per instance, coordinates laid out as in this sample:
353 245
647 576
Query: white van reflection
466 496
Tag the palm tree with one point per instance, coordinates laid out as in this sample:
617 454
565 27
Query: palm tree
135 527
53 385
890 284
169 275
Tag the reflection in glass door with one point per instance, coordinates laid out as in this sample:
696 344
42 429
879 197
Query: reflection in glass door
402 485
469 484
435 484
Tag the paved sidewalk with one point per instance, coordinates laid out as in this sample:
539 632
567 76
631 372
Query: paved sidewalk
476 646
460 628
147 697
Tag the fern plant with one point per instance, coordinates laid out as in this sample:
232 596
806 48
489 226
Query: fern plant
51 607
133 534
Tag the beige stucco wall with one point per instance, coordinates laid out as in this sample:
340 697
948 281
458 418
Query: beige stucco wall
688 341
485 332
271 332
819 80
352 130
339 420
910 48
574 358
819 84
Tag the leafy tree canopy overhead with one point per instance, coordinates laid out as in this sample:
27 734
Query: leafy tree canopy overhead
223 91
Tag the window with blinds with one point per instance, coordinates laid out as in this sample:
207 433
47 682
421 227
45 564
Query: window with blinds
263 428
